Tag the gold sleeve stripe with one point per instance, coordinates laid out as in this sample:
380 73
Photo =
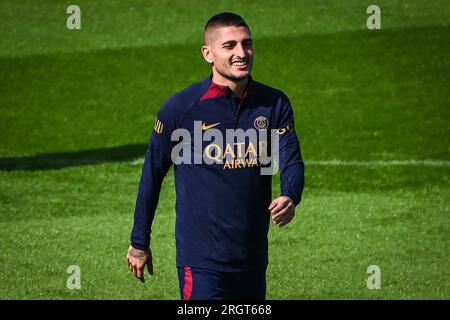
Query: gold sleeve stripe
158 126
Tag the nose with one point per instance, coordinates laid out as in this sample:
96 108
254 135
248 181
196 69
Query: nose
239 51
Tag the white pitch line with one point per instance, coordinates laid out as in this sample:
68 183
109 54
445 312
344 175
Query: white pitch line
373 163
380 163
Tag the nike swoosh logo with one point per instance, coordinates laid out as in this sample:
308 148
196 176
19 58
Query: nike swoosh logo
205 127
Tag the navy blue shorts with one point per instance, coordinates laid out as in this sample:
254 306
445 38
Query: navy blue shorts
202 284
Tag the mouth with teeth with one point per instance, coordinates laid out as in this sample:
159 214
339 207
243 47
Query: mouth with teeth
240 64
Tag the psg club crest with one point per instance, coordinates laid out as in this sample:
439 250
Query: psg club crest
261 123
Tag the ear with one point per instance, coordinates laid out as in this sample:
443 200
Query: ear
207 54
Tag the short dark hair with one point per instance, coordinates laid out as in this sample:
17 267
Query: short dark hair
226 19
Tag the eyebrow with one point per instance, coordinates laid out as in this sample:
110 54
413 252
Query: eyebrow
234 41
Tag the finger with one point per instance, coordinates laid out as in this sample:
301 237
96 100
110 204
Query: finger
279 220
285 220
282 212
131 265
140 274
136 270
273 204
281 205
150 268
285 205
289 214
277 209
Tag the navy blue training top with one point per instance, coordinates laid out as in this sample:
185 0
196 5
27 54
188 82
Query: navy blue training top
222 216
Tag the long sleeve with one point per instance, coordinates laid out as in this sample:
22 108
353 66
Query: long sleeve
290 158
156 164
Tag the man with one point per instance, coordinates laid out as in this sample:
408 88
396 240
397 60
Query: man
223 205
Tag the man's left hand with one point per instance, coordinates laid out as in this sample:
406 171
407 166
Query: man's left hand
282 210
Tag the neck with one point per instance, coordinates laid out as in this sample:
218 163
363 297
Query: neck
237 86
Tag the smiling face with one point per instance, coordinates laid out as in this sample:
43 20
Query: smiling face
230 51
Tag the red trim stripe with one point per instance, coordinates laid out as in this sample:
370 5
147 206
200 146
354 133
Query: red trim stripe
187 290
214 91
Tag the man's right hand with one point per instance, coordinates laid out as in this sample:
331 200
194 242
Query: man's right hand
137 259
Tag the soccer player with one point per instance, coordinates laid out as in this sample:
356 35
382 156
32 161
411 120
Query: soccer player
224 202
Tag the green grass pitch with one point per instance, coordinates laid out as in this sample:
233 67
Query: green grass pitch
372 112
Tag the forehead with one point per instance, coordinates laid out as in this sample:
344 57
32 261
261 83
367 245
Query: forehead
229 33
